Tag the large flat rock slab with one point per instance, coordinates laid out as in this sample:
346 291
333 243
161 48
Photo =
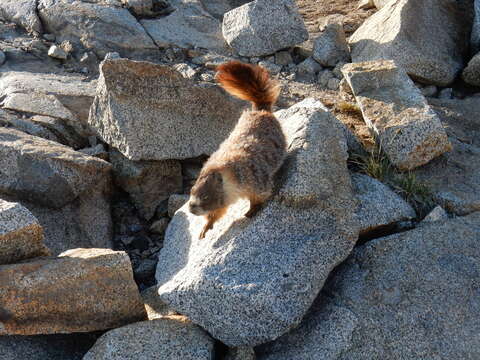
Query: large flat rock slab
21 236
21 12
82 290
251 280
428 38
44 172
412 295
151 112
408 130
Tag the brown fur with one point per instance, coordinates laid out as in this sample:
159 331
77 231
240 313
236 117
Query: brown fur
246 162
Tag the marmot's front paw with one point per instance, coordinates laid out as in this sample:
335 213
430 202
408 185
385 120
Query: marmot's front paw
204 231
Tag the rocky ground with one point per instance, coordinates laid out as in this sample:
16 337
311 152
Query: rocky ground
369 247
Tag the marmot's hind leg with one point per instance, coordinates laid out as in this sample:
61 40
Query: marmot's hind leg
256 203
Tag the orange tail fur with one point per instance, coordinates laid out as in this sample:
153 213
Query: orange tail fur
249 82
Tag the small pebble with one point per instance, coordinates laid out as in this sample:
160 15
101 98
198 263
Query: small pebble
57 52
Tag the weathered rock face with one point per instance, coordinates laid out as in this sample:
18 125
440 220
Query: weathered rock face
471 74
408 130
162 339
99 27
150 112
240 353
412 295
426 37
250 280
189 26
63 97
21 12
331 47
453 178
41 171
475 36
459 118
155 307
42 347
83 290
249 29
378 206
21 236
147 182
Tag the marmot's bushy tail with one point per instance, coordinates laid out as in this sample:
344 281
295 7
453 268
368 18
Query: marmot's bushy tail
249 82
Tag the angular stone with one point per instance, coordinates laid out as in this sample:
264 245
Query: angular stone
249 29
189 26
162 339
150 112
21 12
58 96
94 26
175 202
331 47
147 182
408 130
309 67
471 74
44 172
428 38
57 52
412 295
378 206
43 347
251 280
28 126
21 236
437 214
83 290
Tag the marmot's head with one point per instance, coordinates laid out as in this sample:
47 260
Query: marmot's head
207 194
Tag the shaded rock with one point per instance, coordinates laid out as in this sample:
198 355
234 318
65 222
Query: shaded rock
378 206
21 12
82 290
333 84
324 334
331 47
428 38
28 126
62 130
58 96
175 202
21 236
324 77
459 118
3 58
219 7
174 117
471 74
429 91
309 68
147 182
408 130
412 295
42 347
149 8
44 172
249 29
94 26
189 26
475 35
154 306
97 151
283 58
240 353
250 280
85 222
270 66
445 94
453 178
57 52
162 339
437 214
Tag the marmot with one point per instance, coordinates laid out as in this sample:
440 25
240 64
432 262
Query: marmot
246 162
